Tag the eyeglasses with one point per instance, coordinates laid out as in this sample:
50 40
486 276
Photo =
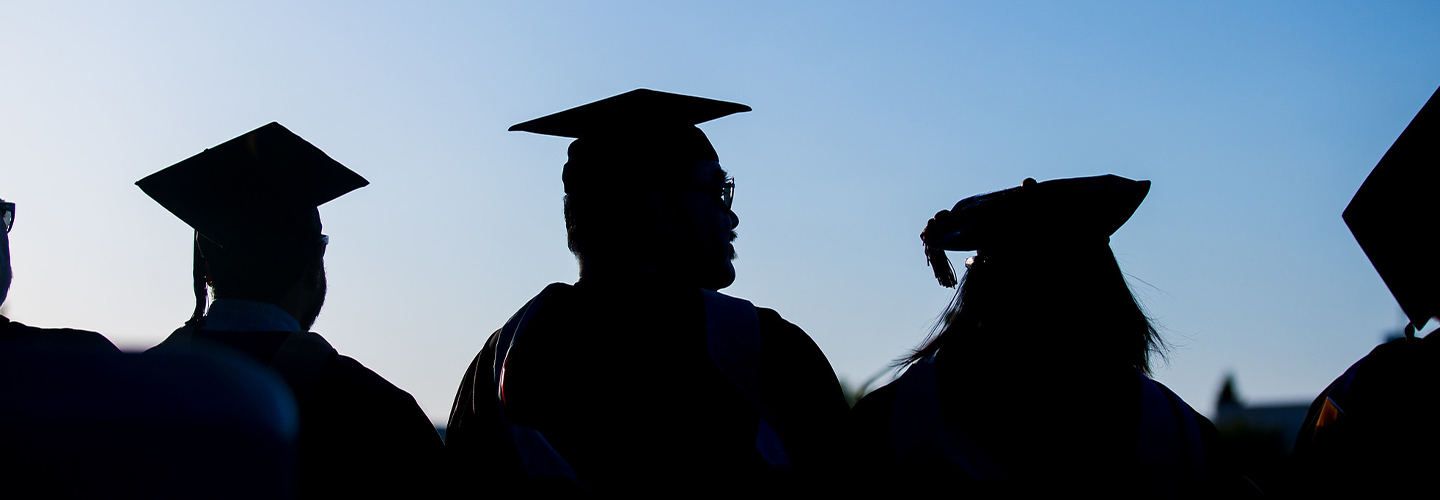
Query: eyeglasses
9 215
726 190
727 193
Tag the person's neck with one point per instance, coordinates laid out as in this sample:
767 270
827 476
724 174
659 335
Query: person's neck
242 315
291 303
635 275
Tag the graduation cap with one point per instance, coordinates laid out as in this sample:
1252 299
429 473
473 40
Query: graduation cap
259 189
1394 215
641 134
256 193
1079 210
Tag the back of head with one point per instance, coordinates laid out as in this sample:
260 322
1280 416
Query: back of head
1047 310
618 187
257 274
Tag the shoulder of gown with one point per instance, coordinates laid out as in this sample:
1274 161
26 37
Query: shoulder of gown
478 457
1365 431
366 398
14 334
361 435
471 399
798 387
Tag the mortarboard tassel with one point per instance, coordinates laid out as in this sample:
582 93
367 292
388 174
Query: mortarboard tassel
198 273
935 256
939 263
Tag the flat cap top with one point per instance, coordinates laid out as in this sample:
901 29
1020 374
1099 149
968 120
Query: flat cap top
639 109
1393 215
259 188
1079 209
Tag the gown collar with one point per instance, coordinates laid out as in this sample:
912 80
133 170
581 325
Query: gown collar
239 315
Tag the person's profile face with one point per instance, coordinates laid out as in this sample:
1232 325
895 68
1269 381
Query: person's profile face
711 228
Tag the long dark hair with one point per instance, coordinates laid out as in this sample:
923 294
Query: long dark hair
1072 302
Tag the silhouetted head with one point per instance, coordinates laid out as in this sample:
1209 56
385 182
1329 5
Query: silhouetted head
7 216
253 203
289 275
645 193
1044 279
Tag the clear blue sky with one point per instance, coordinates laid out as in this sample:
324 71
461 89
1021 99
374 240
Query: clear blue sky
1255 121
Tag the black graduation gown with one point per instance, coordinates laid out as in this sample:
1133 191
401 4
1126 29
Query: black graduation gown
360 436
1065 432
617 378
15 335
1371 433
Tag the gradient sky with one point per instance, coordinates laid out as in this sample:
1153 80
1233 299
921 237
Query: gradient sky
1255 121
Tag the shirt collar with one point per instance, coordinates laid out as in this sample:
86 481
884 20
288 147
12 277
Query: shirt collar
238 315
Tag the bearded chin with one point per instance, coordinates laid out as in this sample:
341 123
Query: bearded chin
313 312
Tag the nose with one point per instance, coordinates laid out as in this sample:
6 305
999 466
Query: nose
734 220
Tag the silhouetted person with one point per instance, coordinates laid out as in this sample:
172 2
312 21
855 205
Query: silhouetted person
15 335
158 425
641 379
1369 433
252 201
1036 383
80 419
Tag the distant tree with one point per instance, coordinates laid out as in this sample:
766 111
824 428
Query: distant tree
1228 394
